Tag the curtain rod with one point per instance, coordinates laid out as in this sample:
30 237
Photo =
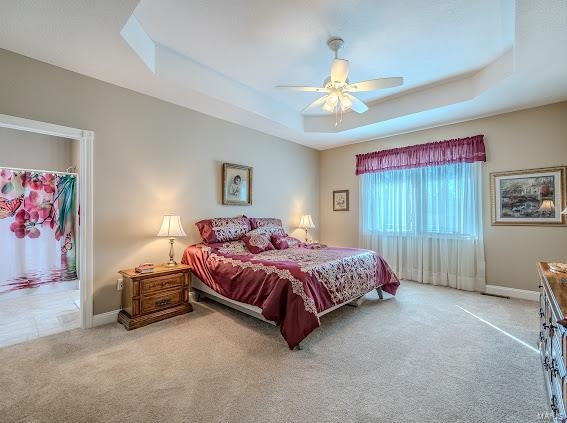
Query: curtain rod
38 170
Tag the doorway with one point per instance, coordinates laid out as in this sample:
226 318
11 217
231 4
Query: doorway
46 223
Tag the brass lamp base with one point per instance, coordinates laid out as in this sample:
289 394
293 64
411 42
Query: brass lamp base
171 262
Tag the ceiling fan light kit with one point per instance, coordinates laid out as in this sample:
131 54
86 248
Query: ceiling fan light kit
337 87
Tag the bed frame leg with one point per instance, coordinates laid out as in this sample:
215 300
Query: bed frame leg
379 291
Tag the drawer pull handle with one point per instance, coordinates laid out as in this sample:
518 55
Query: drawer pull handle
554 368
163 302
554 406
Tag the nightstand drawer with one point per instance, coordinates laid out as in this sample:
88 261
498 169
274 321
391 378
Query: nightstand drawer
148 298
151 285
161 301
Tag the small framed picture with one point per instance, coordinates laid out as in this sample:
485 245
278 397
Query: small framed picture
340 200
236 184
528 197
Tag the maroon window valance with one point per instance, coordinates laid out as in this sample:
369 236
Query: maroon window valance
468 150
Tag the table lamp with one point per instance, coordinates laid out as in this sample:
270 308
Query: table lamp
171 228
306 223
547 207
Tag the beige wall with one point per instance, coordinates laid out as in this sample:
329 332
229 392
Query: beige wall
34 151
152 158
526 139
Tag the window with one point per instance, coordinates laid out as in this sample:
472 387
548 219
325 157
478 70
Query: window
425 201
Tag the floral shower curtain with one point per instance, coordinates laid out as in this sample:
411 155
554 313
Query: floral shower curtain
37 228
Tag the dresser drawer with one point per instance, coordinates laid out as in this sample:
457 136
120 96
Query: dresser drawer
158 283
557 400
542 307
557 342
161 301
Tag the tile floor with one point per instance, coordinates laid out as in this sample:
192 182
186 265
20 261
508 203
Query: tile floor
35 314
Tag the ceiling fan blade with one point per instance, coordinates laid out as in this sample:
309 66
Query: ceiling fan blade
374 84
301 88
317 103
357 105
339 72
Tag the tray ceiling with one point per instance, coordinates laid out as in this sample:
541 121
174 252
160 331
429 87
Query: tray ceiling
460 59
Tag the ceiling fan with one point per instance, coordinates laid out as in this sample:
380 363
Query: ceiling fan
338 88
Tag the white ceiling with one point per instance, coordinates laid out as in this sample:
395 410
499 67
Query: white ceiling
460 59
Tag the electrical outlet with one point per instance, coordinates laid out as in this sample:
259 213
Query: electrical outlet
119 284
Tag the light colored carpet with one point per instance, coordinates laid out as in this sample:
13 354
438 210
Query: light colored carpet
414 358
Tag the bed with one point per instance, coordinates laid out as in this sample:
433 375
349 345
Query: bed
291 287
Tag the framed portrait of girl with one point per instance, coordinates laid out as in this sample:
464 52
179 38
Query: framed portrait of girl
236 184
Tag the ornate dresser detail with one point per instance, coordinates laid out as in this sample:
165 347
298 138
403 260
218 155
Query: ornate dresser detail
553 338
149 297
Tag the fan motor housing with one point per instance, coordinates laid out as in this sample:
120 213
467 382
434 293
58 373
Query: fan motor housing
328 84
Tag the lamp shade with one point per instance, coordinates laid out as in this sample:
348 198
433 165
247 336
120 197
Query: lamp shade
171 227
547 206
564 211
306 222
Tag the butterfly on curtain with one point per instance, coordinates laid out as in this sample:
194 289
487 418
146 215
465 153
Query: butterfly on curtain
9 208
67 245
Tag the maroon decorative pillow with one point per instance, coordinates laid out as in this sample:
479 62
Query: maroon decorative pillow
257 242
285 241
258 222
223 229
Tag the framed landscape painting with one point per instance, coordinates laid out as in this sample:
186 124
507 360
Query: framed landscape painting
236 184
340 200
528 197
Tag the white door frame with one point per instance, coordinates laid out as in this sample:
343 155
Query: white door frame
86 140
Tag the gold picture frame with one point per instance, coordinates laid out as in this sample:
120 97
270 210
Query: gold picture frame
530 197
236 184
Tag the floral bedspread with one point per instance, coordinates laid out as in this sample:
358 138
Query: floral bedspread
293 285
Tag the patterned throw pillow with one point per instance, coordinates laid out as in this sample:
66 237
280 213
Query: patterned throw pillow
223 229
258 222
285 241
268 230
257 242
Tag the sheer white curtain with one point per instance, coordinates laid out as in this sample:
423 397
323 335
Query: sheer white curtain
427 223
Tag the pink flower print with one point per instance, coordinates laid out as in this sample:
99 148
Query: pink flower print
48 181
35 202
32 180
5 175
25 224
53 222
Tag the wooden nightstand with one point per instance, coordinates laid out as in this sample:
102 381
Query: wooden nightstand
150 297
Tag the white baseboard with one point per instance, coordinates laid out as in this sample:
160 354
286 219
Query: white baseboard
522 294
105 318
